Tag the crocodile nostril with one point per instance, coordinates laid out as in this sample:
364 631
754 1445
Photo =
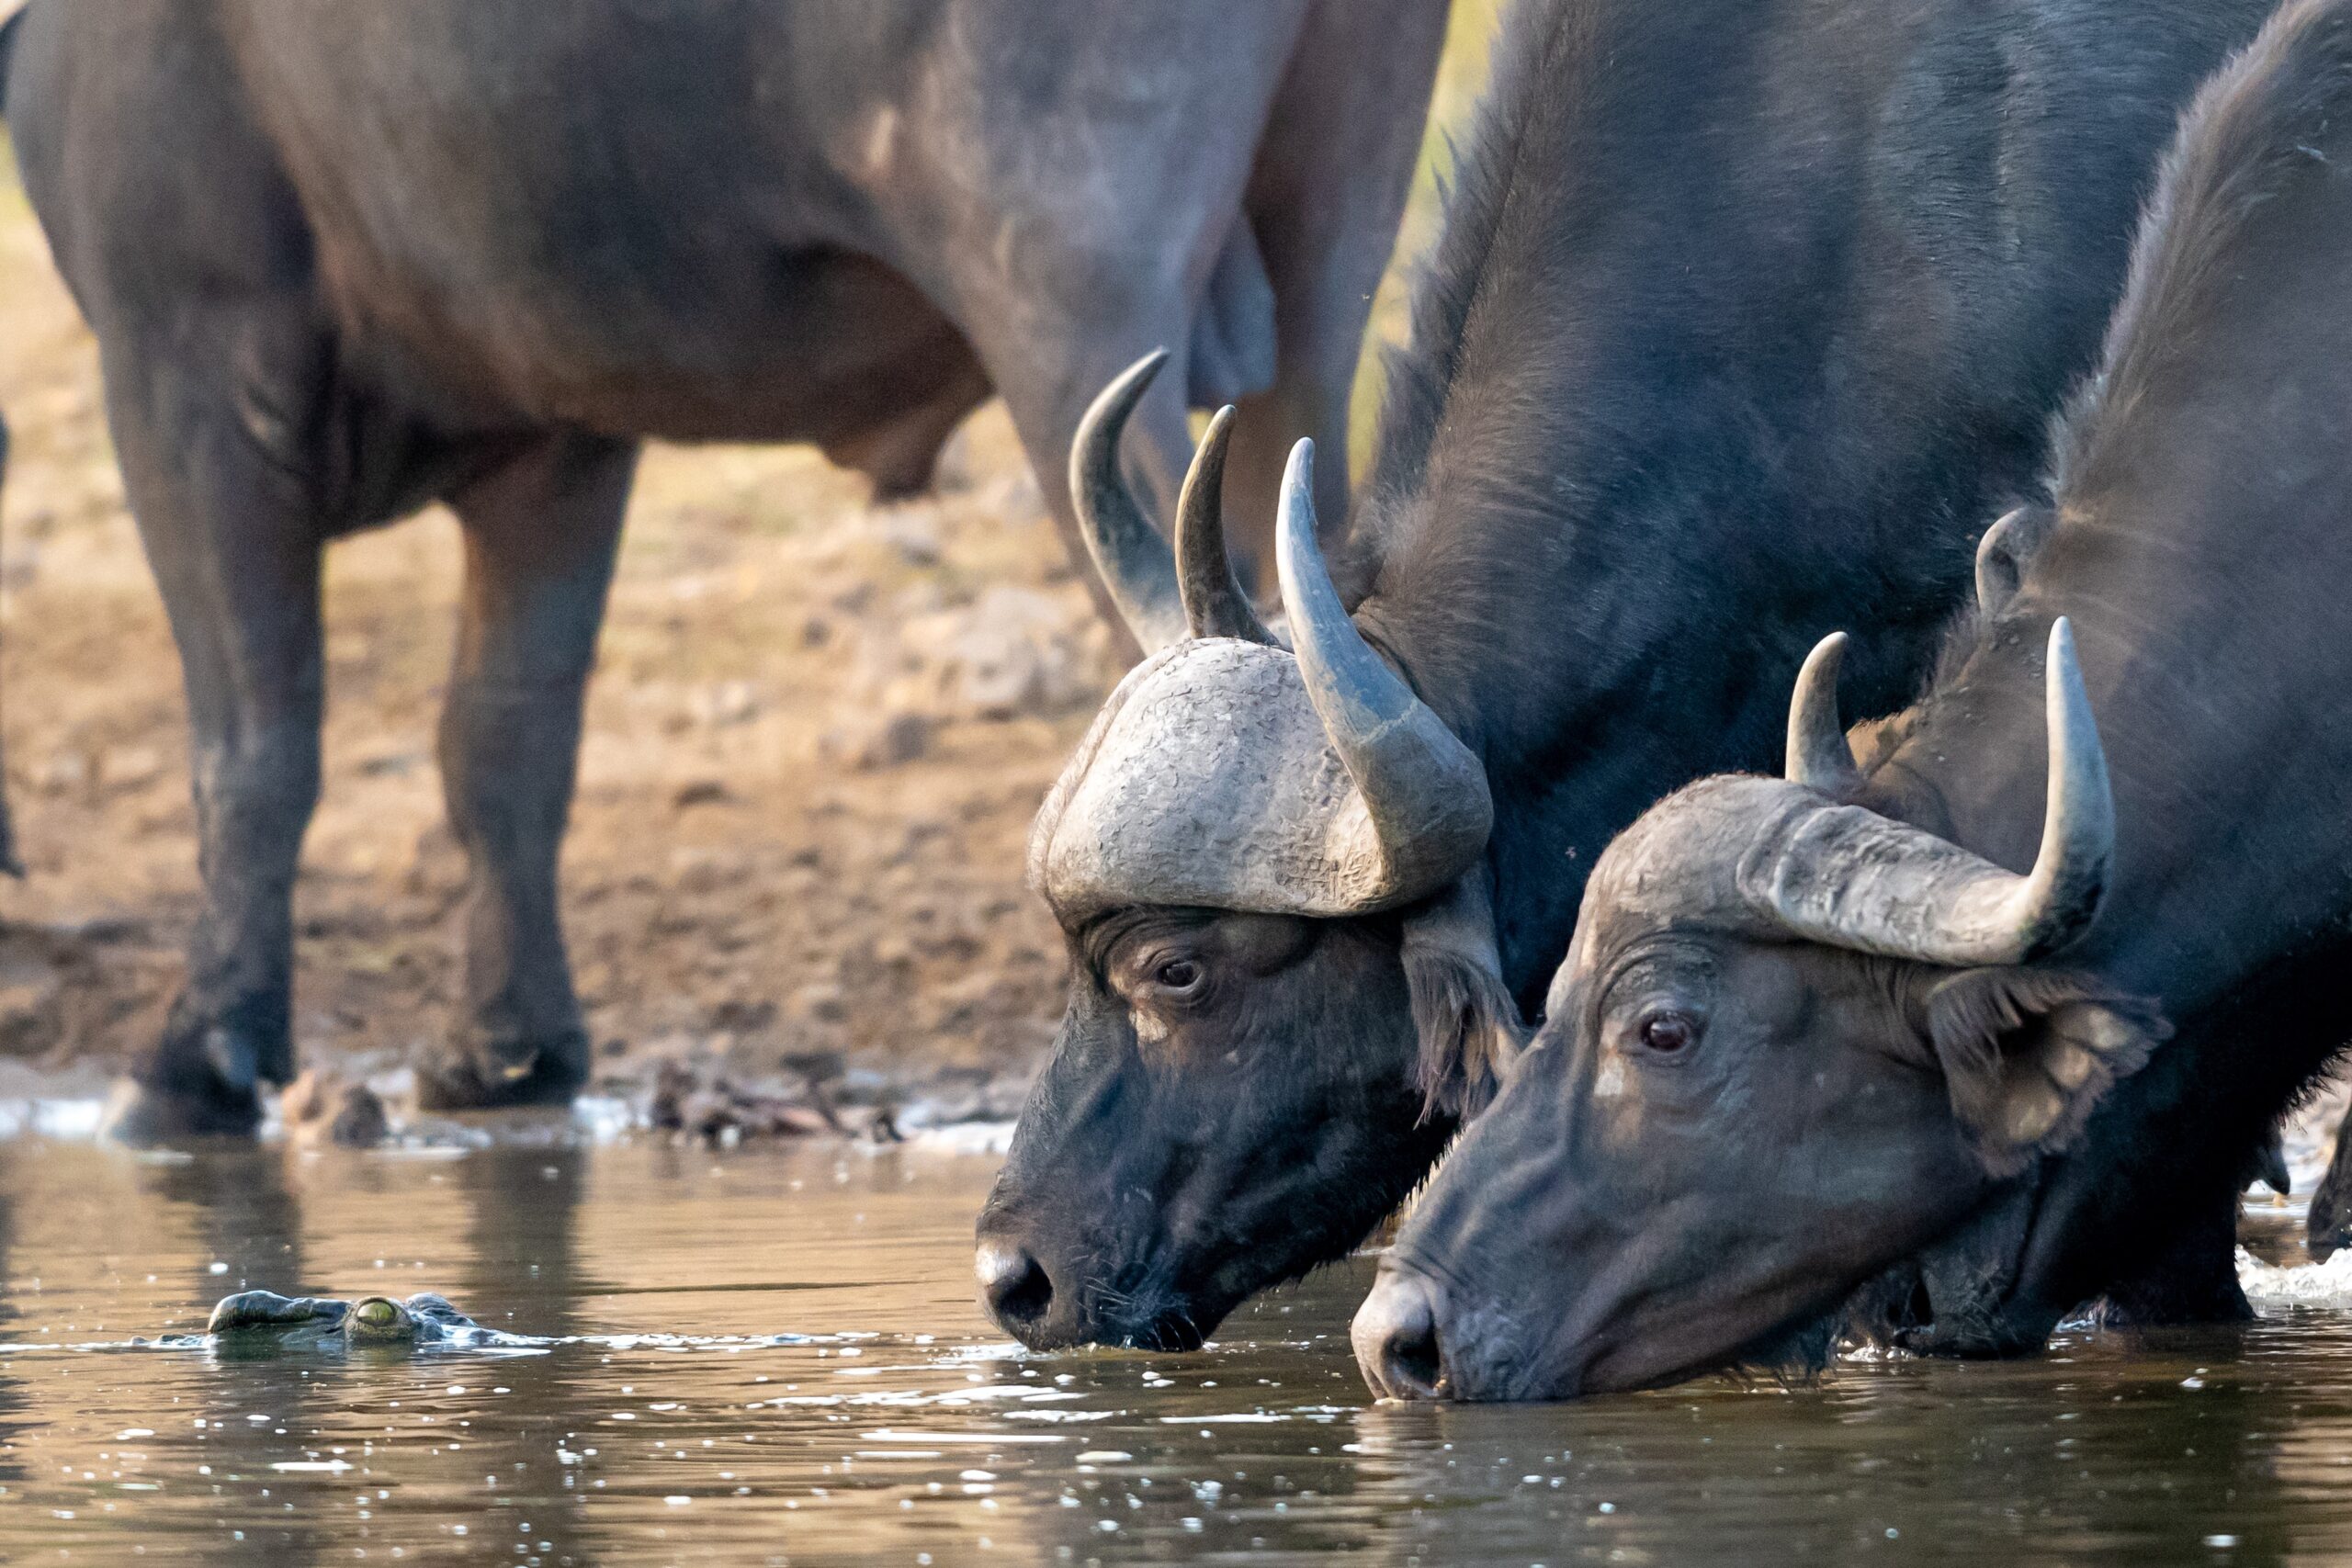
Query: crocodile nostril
1014 1286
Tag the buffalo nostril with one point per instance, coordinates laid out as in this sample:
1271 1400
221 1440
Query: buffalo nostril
1414 1362
1014 1286
1397 1340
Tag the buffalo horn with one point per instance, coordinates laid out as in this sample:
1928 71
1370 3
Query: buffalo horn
1215 605
1854 879
1818 757
1128 551
1424 794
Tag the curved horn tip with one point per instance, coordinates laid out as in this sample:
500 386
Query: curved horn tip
1137 378
1298 555
2069 876
1818 757
1105 419
1220 427
1215 601
1129 554
1298 474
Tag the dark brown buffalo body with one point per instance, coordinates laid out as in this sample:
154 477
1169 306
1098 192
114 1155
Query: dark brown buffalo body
343 259
1746 316
1812 1028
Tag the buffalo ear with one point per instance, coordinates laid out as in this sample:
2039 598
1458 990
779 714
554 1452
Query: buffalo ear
2028 1054
1465 1016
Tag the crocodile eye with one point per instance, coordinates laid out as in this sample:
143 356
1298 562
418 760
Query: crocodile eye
378 1313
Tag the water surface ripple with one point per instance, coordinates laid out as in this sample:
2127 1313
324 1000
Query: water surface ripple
773 1356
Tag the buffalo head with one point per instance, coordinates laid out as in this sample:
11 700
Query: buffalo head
1267 861
1793 1044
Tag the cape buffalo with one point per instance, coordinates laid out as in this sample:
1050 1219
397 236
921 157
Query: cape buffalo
1810 1026
345 259
1743 316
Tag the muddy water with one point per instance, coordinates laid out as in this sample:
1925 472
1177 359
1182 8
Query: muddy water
755 1357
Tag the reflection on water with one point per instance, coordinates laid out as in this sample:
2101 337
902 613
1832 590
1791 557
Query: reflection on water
663 1420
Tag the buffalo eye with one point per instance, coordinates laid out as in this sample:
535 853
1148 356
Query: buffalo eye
1177 975
1669 1031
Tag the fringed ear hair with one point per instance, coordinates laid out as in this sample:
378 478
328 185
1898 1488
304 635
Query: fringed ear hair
2026 1054
1466 1020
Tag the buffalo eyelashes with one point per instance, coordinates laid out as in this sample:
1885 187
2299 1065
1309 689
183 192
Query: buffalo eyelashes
1667 1031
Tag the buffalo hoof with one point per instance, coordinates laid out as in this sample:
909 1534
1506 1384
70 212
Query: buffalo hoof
462 1081
143 1114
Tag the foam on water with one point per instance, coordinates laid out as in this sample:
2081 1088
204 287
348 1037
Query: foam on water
72 1120
964 1137
2327 1284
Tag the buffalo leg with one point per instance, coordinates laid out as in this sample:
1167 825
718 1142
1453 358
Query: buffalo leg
2192 1278
540 535
1046 402
230 536
1325 199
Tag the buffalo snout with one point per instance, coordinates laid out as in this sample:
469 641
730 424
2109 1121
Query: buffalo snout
1395 1337
1056 1297
1420 1336
1016 1288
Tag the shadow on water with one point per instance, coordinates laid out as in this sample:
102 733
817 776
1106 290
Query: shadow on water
774 1356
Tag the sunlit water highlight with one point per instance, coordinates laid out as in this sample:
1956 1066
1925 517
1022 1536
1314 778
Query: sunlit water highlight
773 1355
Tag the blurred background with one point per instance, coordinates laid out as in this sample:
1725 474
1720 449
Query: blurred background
817 735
